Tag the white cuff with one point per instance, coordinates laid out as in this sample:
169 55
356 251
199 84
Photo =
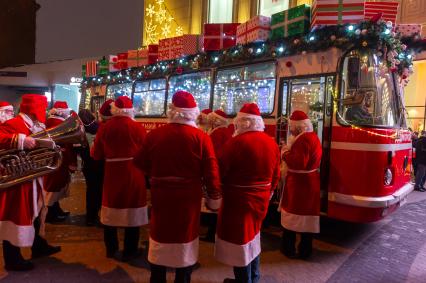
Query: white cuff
213 203
21 138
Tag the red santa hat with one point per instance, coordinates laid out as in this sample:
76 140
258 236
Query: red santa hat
205 112
60 108
183 109
34 104
105 110
249 119
122 106
299 119
5 106
218 116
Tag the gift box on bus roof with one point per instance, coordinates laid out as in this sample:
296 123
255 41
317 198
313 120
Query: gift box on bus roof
408 29
91 68
294 21
175 47
148 55
219 36
388 9
255 29
133 58
336 12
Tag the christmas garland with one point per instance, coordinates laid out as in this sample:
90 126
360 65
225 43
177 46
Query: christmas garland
374 34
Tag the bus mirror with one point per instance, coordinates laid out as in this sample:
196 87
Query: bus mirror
353 72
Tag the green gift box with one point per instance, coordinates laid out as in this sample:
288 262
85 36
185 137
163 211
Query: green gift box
103 67
294 21
83 71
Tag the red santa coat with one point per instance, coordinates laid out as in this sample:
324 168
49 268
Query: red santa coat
20 204
56 184
250 170
124 190
300 205
219 137
179 159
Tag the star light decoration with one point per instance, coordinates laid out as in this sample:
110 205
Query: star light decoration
159 23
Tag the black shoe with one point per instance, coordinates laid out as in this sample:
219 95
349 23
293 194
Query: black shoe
60 212
288 253
229 280
45 251
305 255
24 265
55 218
113 254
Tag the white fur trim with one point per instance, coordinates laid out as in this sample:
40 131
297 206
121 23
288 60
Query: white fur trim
8 107
305 125
18 235
52 197
247 123
175 255
213 203
127 112
237 255
62 112
21 138
300 223
124 217
186 116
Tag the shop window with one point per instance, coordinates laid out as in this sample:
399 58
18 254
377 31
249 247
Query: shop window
114 91
68 93
254 83
220 11
149 97
269 7
199 84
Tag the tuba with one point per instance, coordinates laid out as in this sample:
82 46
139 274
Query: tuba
18 166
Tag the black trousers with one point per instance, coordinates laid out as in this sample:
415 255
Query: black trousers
158 274
94 181
12 254
289 242
131 239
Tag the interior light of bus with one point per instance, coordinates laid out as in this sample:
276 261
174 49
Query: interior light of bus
312 38
259 50
409 56
350 28
387 31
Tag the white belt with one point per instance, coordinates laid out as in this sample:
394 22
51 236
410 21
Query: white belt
118 159
302 171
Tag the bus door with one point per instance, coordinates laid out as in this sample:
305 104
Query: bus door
312 95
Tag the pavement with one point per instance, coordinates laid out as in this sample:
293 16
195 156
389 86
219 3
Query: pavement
392 250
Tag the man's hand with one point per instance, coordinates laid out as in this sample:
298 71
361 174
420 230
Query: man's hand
29 143
284 148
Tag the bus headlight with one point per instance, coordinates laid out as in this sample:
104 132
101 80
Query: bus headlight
388 177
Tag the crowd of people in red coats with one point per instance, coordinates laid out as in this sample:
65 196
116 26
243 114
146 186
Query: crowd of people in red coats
196 161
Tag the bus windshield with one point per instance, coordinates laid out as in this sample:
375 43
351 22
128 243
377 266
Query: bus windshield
114 91
149 97
199 84
368 96
253 83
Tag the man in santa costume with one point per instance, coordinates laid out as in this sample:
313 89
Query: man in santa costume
250 170
124 191
203 120
300 205
6 111
56 184
104 113
179 159
21 205
220 134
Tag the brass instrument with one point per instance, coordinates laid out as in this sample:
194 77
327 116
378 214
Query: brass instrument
18 166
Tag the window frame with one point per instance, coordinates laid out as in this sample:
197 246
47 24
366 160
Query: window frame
117 83
264 115
339 98
166 89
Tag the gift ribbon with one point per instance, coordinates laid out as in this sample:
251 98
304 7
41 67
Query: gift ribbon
221 37
287 22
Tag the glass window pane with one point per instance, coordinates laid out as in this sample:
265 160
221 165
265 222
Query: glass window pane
259 86
284 99
199 84
269 7
149 102
220 11
116 90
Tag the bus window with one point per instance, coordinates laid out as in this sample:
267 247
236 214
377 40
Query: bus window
367 98
149 97
236 86
114 91
199 84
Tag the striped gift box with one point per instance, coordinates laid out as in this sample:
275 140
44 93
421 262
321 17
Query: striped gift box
389 10
91 68
335 12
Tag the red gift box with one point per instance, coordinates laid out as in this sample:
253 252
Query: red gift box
175 47
91 68
388 9
408 29
121 61
255 29
219 36
148 55
335 12
133 58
